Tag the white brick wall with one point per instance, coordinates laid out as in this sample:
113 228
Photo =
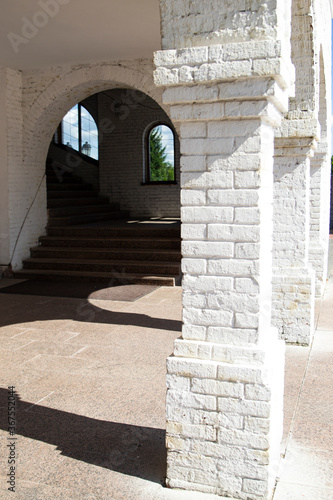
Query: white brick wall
36 103
123 155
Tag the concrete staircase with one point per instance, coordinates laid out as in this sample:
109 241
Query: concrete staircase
90 239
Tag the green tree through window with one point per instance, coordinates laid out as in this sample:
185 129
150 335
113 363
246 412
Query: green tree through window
161 154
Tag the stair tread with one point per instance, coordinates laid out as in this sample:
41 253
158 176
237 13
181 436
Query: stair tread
74 202
93 206
100 238
85 215
103 250
92 274
99 262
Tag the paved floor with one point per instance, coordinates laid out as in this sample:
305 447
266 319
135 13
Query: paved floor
90 383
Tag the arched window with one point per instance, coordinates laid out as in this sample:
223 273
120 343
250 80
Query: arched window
160 154
78 130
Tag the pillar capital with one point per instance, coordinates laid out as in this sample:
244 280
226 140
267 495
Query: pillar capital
295 146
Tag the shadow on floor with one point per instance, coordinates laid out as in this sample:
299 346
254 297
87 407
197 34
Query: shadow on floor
128 449
51 309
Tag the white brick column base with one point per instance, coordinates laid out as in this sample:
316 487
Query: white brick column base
224 419
319 214
293 276
293 304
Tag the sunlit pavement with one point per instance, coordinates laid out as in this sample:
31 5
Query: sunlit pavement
90 383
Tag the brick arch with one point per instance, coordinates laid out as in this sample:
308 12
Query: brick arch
43 116
56 94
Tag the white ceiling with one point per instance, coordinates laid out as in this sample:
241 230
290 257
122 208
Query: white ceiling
82 31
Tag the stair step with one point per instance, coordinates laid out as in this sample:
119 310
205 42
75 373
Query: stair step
118 267
62 179
114 232
107 254
76 202
90 242
61 194
124 279
70 186
86 218
81 210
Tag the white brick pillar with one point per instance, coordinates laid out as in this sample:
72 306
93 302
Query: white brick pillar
293 277
226 84
225 379
13 182
320 170
4 186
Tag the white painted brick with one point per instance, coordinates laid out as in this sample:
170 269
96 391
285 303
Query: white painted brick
238 437
190 130
193 163
248 215
247 251
231 335
173 95
191 368
235 128
261 457
177 383
195 475
191 460
233 267
220 451
224 197
194 332
230 354
193 231
246 285
194 266
238 161
232 301
206 180
255 486
227 232
193 416
239 374
191 400
257 425
247 180
190 112
207 284
207 214
194 300
175 443
189 486
200 146
207 249
257 392
246 320
207 317
246 407
192 431
217 388
193 197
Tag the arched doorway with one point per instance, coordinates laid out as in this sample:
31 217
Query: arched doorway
107 218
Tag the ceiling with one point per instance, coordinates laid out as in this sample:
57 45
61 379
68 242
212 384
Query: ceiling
39 33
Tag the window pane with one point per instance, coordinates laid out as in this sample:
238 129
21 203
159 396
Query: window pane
70 128
161 154
89 134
